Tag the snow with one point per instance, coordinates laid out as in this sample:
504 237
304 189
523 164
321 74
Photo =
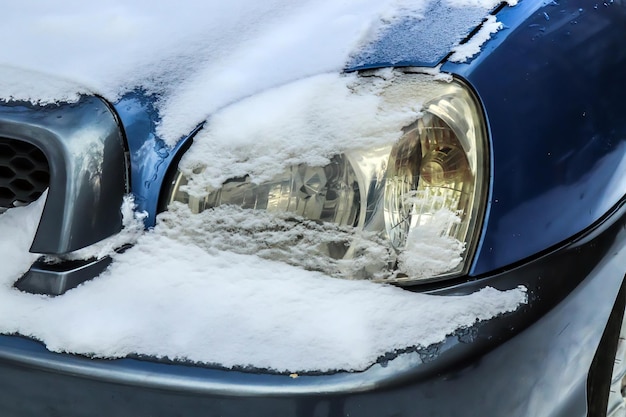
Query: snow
307 121
267 78
437 74
195 57
281 237
427 252
27 85
303 243
167 297
464 52
424 38
485 4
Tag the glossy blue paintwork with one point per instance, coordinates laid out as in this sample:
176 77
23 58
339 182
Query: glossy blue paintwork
554 95
149 156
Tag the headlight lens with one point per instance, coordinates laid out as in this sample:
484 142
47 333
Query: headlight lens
328 194
423 196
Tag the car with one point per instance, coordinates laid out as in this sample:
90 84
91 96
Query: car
276 209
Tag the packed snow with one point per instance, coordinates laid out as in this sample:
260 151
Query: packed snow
304 122
169 298
184 291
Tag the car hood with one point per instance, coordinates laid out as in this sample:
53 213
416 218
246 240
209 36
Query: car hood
195 59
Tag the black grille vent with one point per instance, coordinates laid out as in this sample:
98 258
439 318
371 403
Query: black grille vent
24 173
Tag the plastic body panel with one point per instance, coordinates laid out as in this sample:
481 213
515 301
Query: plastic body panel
533 362
86 154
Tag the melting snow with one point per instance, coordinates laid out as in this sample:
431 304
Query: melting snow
464 52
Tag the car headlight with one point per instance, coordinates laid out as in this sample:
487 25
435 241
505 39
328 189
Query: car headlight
422 197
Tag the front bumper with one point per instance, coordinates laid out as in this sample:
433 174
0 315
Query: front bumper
533 362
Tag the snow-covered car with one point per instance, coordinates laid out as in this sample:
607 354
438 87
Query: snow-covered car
314 208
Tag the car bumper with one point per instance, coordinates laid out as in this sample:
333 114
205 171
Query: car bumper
534 361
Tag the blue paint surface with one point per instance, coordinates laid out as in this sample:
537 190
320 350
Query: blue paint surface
149 156
554 101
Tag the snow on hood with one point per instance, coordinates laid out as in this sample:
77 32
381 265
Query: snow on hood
198 57
225 60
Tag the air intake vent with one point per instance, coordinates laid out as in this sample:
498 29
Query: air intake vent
24 173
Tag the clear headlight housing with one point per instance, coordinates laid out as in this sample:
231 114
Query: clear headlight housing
421 200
